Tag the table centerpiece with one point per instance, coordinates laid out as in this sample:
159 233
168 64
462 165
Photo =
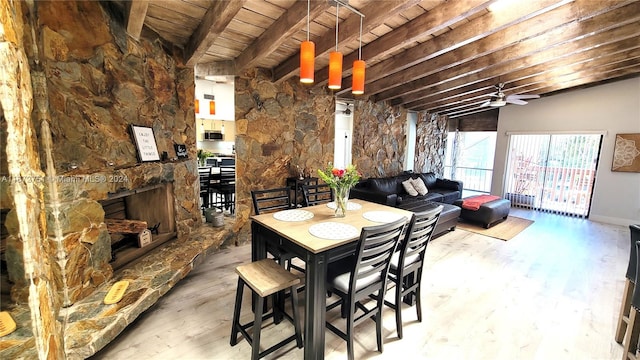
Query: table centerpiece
340 181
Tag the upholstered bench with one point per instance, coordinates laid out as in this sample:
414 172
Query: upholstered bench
489 213
448 217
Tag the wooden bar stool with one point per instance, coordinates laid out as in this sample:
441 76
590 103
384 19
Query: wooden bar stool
265 278
629 285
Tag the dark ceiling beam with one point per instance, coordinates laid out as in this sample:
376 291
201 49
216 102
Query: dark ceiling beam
430 22
292 21
517 41
609 52
376 13
567 82
496 66
215 20
605 63
462 35
137 12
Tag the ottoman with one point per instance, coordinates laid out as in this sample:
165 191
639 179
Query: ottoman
489 213
448 217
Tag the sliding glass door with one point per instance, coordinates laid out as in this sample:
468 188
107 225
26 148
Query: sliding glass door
552 172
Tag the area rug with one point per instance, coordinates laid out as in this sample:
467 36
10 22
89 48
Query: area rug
505 230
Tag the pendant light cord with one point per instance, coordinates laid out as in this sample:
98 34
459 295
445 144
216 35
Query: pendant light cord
337 10
308 10
360 45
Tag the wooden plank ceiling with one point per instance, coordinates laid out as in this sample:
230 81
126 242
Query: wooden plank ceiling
441 56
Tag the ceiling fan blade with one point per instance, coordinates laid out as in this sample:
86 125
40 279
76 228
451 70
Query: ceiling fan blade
516 101
523 96
485 104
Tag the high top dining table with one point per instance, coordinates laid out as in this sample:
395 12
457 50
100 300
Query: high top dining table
316 236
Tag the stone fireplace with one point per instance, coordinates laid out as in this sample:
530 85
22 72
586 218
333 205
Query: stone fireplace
138 221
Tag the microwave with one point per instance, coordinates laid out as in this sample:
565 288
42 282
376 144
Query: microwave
213 135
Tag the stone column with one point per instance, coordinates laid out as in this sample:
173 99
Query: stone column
26 222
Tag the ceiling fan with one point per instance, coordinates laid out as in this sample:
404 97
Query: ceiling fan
500 99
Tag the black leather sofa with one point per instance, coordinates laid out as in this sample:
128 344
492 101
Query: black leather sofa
389 191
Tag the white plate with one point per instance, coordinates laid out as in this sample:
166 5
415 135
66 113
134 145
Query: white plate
333 231
293 215
381 216
350 205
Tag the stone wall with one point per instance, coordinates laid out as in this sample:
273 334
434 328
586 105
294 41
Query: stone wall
431 142
91 82
278 126
379 139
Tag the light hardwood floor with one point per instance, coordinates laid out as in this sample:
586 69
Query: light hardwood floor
552 292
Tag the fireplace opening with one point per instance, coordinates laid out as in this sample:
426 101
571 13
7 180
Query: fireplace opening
138 221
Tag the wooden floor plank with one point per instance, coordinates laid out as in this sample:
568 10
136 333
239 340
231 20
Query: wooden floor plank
552 292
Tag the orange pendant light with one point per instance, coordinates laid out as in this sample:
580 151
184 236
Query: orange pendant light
357 76
212 107
307 57
196 106
357 88
335 61
335 70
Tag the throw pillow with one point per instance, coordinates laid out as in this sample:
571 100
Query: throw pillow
408 187
419 185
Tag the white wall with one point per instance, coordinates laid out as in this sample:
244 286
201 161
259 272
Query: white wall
614 108
224 96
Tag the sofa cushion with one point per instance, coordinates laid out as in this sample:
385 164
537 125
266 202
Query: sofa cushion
419 186
384 185
409 188
429 179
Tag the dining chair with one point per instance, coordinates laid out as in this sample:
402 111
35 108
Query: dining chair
316 194
223 185
364 277
204 173
407 263
271 200
264 278
629 284
632 334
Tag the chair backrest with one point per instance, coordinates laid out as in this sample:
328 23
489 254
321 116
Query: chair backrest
635 297
635 237
374 251
316 194
227 162
418 235
205 179
270 200
226 176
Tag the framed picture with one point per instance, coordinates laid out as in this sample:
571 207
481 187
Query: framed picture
181 151
145 143
626 153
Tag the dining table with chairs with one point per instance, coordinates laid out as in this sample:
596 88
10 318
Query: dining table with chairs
316 236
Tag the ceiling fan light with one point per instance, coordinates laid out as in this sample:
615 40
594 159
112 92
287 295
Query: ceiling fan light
335 70
357 87
498 103
307 59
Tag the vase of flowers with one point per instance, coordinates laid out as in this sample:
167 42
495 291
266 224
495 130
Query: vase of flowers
340 181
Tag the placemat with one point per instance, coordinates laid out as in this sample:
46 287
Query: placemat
350 205
333 231
293 215
381 216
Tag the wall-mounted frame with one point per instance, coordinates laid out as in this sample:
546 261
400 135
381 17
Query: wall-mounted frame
181 151
145 143
626 153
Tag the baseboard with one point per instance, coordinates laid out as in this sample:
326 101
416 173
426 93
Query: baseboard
613 220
